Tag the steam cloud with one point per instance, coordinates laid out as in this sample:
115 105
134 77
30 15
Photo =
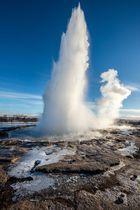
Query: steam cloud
65 108
113 94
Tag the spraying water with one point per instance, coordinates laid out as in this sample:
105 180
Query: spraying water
65 108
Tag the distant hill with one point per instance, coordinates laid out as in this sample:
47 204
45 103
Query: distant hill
18 118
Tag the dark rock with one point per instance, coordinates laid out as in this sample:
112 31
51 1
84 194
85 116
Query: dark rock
14 179
137 153
81 167
120 199
11 142
133 177
5 159
6 193
37 162
3 134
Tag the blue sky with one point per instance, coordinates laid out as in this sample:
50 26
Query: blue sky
30 32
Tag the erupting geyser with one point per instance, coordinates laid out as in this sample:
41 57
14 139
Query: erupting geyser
65 108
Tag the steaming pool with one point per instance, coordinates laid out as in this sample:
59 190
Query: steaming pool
28 130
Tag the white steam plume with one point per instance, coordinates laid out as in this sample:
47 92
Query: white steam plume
65 108
113 94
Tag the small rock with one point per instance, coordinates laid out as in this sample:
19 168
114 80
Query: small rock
120 199
37 162
3 134
133 177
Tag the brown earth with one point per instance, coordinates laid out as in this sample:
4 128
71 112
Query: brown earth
89 180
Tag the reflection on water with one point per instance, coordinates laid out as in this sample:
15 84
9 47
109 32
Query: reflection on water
14 124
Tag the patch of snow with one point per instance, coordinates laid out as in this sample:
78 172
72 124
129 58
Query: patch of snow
122 127
129 150
39 182
72 179
114 168
46 155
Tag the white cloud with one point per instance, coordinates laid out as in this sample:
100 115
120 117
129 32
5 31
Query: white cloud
133 87
17 95
20 103
130 113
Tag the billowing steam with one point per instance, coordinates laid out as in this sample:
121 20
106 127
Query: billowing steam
65 108
113 94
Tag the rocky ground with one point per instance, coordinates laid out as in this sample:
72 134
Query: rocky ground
100 171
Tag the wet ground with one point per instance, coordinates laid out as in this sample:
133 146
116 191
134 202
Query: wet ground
94 170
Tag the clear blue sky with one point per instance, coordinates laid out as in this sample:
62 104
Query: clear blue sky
30 32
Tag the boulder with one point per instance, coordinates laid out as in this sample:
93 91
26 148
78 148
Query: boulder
82 167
